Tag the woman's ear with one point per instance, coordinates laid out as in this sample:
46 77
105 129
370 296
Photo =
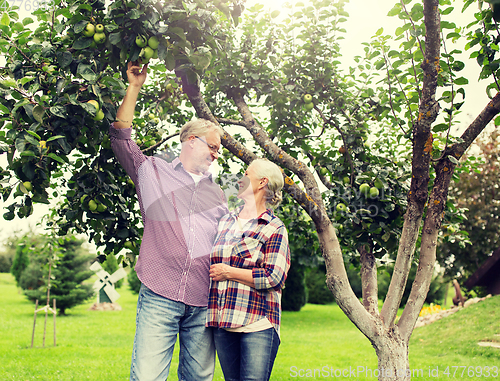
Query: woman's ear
263 182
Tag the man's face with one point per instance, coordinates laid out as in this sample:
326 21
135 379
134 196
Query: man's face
205 151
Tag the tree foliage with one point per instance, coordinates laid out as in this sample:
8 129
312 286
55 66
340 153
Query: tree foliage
68 264
478 192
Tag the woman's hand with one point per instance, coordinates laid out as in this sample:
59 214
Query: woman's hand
220 272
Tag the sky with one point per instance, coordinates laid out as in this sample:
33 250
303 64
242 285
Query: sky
365 18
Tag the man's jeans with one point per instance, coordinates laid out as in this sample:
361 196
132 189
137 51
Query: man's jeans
246 356
158 322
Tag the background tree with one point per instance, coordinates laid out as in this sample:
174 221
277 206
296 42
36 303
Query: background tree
279 81
70 268
477 192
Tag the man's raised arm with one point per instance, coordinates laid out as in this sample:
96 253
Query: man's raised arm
136 78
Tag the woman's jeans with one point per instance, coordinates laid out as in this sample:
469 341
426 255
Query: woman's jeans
158 322
246 356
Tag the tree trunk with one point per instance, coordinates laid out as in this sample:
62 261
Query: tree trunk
392 353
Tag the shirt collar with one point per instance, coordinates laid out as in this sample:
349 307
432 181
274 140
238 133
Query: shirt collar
265 216
177 163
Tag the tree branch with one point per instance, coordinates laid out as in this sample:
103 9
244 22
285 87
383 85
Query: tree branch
369 285
422 148
284 159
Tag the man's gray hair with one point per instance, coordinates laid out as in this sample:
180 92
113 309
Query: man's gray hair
199 127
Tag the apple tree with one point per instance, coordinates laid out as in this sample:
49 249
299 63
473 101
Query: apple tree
367 154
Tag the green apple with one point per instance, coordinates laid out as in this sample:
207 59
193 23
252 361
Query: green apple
89 30
153 42
308 98
323 171
101 207
82 199
346 179
99 38
341 207
128 245
95 104
92 205
99 115
148 53
309 106
99 28
140 41
374 192
151 116
364 188
28 186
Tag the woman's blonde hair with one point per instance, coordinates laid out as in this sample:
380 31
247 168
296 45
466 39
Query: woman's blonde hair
265 168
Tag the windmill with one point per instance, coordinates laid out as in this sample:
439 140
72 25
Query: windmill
105 285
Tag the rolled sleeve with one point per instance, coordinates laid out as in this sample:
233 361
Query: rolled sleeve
276 262
127 152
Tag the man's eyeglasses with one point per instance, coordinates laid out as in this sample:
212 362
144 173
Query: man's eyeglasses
212 148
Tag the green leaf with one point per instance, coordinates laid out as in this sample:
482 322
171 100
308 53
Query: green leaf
55 157
80 26
179 32
396 10
27 153
59 111
440 127
33 133
461 81
5 20
134 14
86 72
115 38
38 116
170 61
64 59
83 43
55 138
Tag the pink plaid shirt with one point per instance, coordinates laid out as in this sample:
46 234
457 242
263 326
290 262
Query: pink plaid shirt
180 222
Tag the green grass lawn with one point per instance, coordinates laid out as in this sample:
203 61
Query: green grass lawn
97 345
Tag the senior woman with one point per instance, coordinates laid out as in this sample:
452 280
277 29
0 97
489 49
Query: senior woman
249 262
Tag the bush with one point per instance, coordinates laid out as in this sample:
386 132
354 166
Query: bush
133 281
32 277
5 262
436 289
20 261
294 293
317 290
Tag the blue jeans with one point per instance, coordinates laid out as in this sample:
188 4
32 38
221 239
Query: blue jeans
158 322
246 356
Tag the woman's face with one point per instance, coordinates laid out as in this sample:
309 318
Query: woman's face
249 183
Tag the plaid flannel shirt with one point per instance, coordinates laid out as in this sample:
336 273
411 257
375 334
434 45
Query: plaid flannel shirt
262 247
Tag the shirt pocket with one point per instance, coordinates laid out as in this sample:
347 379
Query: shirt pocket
247 253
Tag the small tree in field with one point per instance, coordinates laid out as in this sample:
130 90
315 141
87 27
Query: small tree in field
368 155
69 268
